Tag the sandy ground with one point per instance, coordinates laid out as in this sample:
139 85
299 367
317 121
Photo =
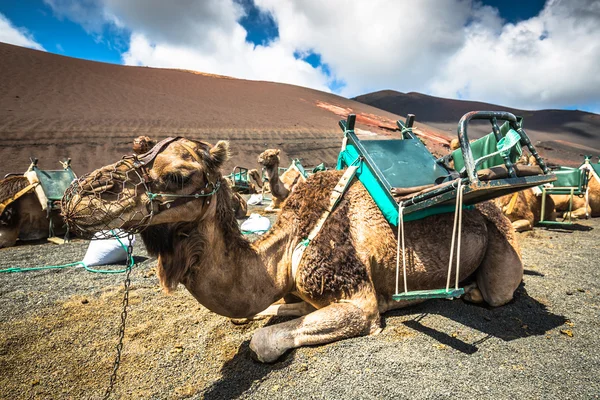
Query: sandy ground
58 331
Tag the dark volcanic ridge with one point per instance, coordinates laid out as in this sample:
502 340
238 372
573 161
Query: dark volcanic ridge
563 136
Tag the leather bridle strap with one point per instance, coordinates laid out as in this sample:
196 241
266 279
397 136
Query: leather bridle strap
149 156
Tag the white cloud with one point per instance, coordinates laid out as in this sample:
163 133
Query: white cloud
452 48
17 36
550 60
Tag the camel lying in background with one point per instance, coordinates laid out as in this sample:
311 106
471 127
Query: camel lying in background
579 210
523 209
24 218
346 277
280 185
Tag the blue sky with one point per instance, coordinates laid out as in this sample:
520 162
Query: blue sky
431 49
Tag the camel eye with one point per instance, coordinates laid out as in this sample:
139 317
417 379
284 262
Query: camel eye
175 180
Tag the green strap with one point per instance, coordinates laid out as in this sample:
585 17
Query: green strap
130 263
504 146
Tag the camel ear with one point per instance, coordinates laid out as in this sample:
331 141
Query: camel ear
220 153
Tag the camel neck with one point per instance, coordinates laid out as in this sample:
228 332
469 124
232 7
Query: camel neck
278 189
218 266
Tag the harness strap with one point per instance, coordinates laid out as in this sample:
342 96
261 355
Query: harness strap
336 195
16 196
148 157
511 203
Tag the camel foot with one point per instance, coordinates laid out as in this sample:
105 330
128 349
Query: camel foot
267 346
473 294
522 225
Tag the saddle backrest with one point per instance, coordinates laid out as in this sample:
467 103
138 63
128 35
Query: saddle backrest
54 183
485 146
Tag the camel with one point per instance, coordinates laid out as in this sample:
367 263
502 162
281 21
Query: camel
280 185
523 209
579 209
346 277
255 183
23 218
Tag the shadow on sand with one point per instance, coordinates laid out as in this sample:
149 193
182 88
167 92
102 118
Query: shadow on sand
239 373
565 227
524 316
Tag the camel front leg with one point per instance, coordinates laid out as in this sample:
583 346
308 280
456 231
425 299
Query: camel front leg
334 322
522 225
579 213
287 310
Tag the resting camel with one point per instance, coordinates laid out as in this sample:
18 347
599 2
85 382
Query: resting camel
579 210
24 218
255 183
347 275
280 186
523 209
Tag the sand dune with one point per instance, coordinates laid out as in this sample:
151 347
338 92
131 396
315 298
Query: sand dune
563 136
53 107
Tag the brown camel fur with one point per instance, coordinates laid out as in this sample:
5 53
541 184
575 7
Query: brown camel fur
143 144
24 218
526 211
280 185
579 211
347 276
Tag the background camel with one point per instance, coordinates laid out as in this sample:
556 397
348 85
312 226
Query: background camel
579 210
24 218
280 185
523 209
347 275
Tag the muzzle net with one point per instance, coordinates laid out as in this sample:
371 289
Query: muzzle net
107 202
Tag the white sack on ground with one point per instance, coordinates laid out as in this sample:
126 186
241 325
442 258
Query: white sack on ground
106 251
256 223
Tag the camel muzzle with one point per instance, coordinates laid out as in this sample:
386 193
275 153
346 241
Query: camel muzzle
120 196
108 199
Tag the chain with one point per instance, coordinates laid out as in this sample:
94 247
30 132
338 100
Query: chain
130 264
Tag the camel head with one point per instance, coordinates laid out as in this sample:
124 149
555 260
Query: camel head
143 144
269 158
174 182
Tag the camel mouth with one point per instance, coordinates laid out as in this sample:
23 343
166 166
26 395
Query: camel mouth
106 200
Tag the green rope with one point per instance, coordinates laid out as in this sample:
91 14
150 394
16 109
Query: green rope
98 271
254 232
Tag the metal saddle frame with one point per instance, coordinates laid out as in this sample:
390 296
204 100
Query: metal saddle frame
52 186
406 164
571 182
428 185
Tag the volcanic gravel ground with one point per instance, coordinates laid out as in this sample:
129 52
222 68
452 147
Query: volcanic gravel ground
58 331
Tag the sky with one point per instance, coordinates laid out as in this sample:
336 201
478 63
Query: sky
525 54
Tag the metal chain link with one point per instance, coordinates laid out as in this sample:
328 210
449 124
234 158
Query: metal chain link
130 265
